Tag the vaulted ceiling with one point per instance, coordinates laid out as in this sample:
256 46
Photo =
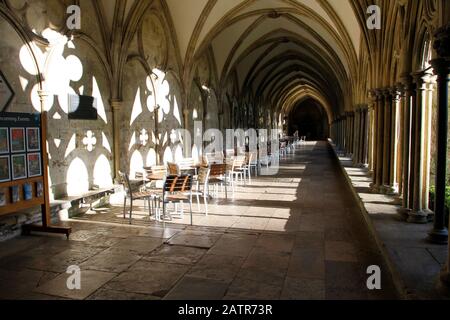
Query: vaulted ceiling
280 50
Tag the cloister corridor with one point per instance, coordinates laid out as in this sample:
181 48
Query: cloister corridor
296 235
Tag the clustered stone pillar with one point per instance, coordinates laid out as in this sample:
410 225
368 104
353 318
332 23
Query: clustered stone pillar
365 136
408 93
371 133
379 141
420 210
356 136
360 148
116 106
439 233
386 141
392 187
399 133
441 67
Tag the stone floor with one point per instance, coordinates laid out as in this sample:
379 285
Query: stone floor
416 261
296 235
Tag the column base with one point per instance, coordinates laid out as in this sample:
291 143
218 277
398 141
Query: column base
398 200
404 213
389 190
374 188
361 165
418 217
438 236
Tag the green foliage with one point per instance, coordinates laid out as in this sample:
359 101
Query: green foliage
447 196
447 200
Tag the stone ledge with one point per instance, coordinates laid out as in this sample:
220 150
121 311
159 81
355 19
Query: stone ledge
413 263
61 210
11 224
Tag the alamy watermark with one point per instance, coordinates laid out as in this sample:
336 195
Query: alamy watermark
74 280
261 142
374 280
374 20
73 22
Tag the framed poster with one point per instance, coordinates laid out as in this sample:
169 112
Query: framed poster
17 140
19 166
5 172
33 141
34 165
4 140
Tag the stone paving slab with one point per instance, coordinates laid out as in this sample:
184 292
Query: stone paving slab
91 281
193 288
176 255
150 278
306 243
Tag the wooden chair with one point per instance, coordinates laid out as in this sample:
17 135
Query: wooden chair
248 165
173 169
156 175
218 177
187 166
202 187
133 196
177 189
237 171
253 163
214 158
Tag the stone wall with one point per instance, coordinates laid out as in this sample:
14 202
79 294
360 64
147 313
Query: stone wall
137 66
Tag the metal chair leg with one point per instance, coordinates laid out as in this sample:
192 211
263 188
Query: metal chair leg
125 208
190 210
131 211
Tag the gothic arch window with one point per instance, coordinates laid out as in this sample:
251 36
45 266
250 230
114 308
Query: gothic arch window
427 52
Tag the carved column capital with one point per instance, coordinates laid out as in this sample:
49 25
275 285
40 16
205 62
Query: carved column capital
396 94
420 79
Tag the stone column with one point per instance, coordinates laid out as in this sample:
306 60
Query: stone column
353 130
441 45
365 137
400 131
439 234
356 133
339 133
339 130
419 213
116 106
187 145
392 188
371 134
378 145
343 134
347 133
387 142
407 97
362 136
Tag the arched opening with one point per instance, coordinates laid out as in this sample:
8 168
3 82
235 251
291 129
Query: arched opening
309 119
